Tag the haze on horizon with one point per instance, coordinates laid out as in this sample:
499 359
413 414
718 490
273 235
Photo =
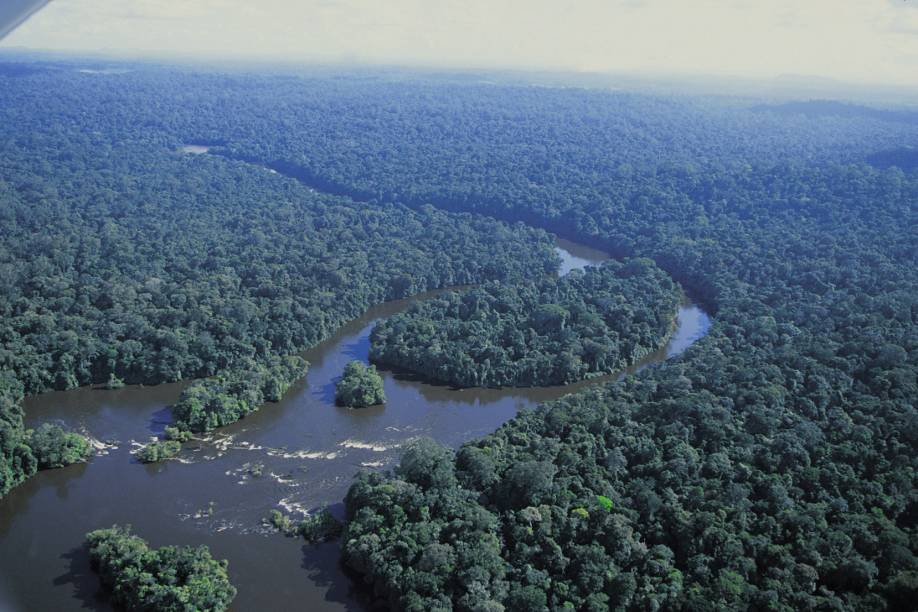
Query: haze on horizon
868 41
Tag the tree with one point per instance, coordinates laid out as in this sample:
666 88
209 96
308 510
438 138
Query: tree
168 579
360 386
428 464
55 447
549 332
159 450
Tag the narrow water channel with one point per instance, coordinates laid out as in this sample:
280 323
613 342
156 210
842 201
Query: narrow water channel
296 455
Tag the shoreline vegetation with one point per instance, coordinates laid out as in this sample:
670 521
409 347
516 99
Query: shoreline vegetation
553 332
772 465
224 399
170 294
221 400
23 452
318 526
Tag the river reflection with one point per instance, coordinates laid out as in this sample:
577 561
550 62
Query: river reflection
296 455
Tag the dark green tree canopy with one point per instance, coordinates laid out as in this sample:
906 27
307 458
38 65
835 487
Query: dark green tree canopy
549 332
223 399
122 261
167 579
54 446
772 465
360 386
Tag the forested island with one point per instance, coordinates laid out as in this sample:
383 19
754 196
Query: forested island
551 332
773 465
167 579
318 526
223 399
359 387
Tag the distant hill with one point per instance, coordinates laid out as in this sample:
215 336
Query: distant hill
832 108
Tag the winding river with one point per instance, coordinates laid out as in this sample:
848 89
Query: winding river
296 455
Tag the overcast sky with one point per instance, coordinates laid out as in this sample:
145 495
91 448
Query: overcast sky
854 40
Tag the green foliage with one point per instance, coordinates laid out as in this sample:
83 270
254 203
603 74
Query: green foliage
223 399
55 447
159 450
168 447
114 382
177 434
168 579
123 261
320 527
23 452
747 474
17 462
428 464
449 539
552 332
180 277
281 522
605 502
360 386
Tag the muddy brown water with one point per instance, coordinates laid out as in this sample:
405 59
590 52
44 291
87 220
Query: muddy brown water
296 455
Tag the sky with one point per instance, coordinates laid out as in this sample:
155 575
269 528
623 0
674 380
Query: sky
850 40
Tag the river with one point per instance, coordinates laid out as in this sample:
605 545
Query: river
296 455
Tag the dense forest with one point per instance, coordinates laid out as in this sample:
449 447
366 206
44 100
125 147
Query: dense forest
214 402
167 579
772 466
18 459
122 260
550 332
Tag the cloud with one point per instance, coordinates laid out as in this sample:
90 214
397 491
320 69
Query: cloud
867 40
903 19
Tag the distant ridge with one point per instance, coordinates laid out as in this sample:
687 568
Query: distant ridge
832 108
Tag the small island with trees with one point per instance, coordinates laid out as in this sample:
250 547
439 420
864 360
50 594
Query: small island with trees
360 387
229 396
551 332
320 526
223 399
173 578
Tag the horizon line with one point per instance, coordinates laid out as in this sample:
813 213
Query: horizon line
800 80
